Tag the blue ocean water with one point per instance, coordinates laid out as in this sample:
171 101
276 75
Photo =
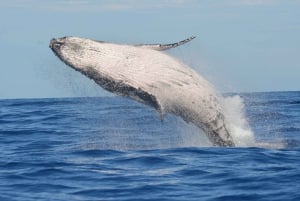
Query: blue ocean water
111 148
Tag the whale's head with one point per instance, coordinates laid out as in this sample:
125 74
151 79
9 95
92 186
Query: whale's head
69 50
59 46
76 52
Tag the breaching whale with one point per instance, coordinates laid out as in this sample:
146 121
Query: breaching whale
146 74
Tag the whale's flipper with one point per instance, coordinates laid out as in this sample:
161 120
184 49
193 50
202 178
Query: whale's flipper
162 47
124 89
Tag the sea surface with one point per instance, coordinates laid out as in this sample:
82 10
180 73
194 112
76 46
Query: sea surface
111 148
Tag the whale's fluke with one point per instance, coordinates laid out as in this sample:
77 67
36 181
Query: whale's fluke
162 47
151 77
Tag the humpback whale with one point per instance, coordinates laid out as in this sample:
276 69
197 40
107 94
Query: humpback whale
146 74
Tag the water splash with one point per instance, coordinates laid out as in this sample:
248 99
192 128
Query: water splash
243 136
237 121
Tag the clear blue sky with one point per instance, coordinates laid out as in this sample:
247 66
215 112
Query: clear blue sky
241 45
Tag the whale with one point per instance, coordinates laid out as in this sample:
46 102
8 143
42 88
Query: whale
147 74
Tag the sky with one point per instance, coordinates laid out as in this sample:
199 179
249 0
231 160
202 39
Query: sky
241 45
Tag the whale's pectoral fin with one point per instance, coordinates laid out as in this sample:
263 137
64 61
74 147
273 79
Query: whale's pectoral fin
138 95
162 47
122 88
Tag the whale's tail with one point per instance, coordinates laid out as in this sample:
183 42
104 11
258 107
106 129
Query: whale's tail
151 77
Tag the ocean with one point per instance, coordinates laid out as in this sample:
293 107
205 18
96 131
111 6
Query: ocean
112 148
